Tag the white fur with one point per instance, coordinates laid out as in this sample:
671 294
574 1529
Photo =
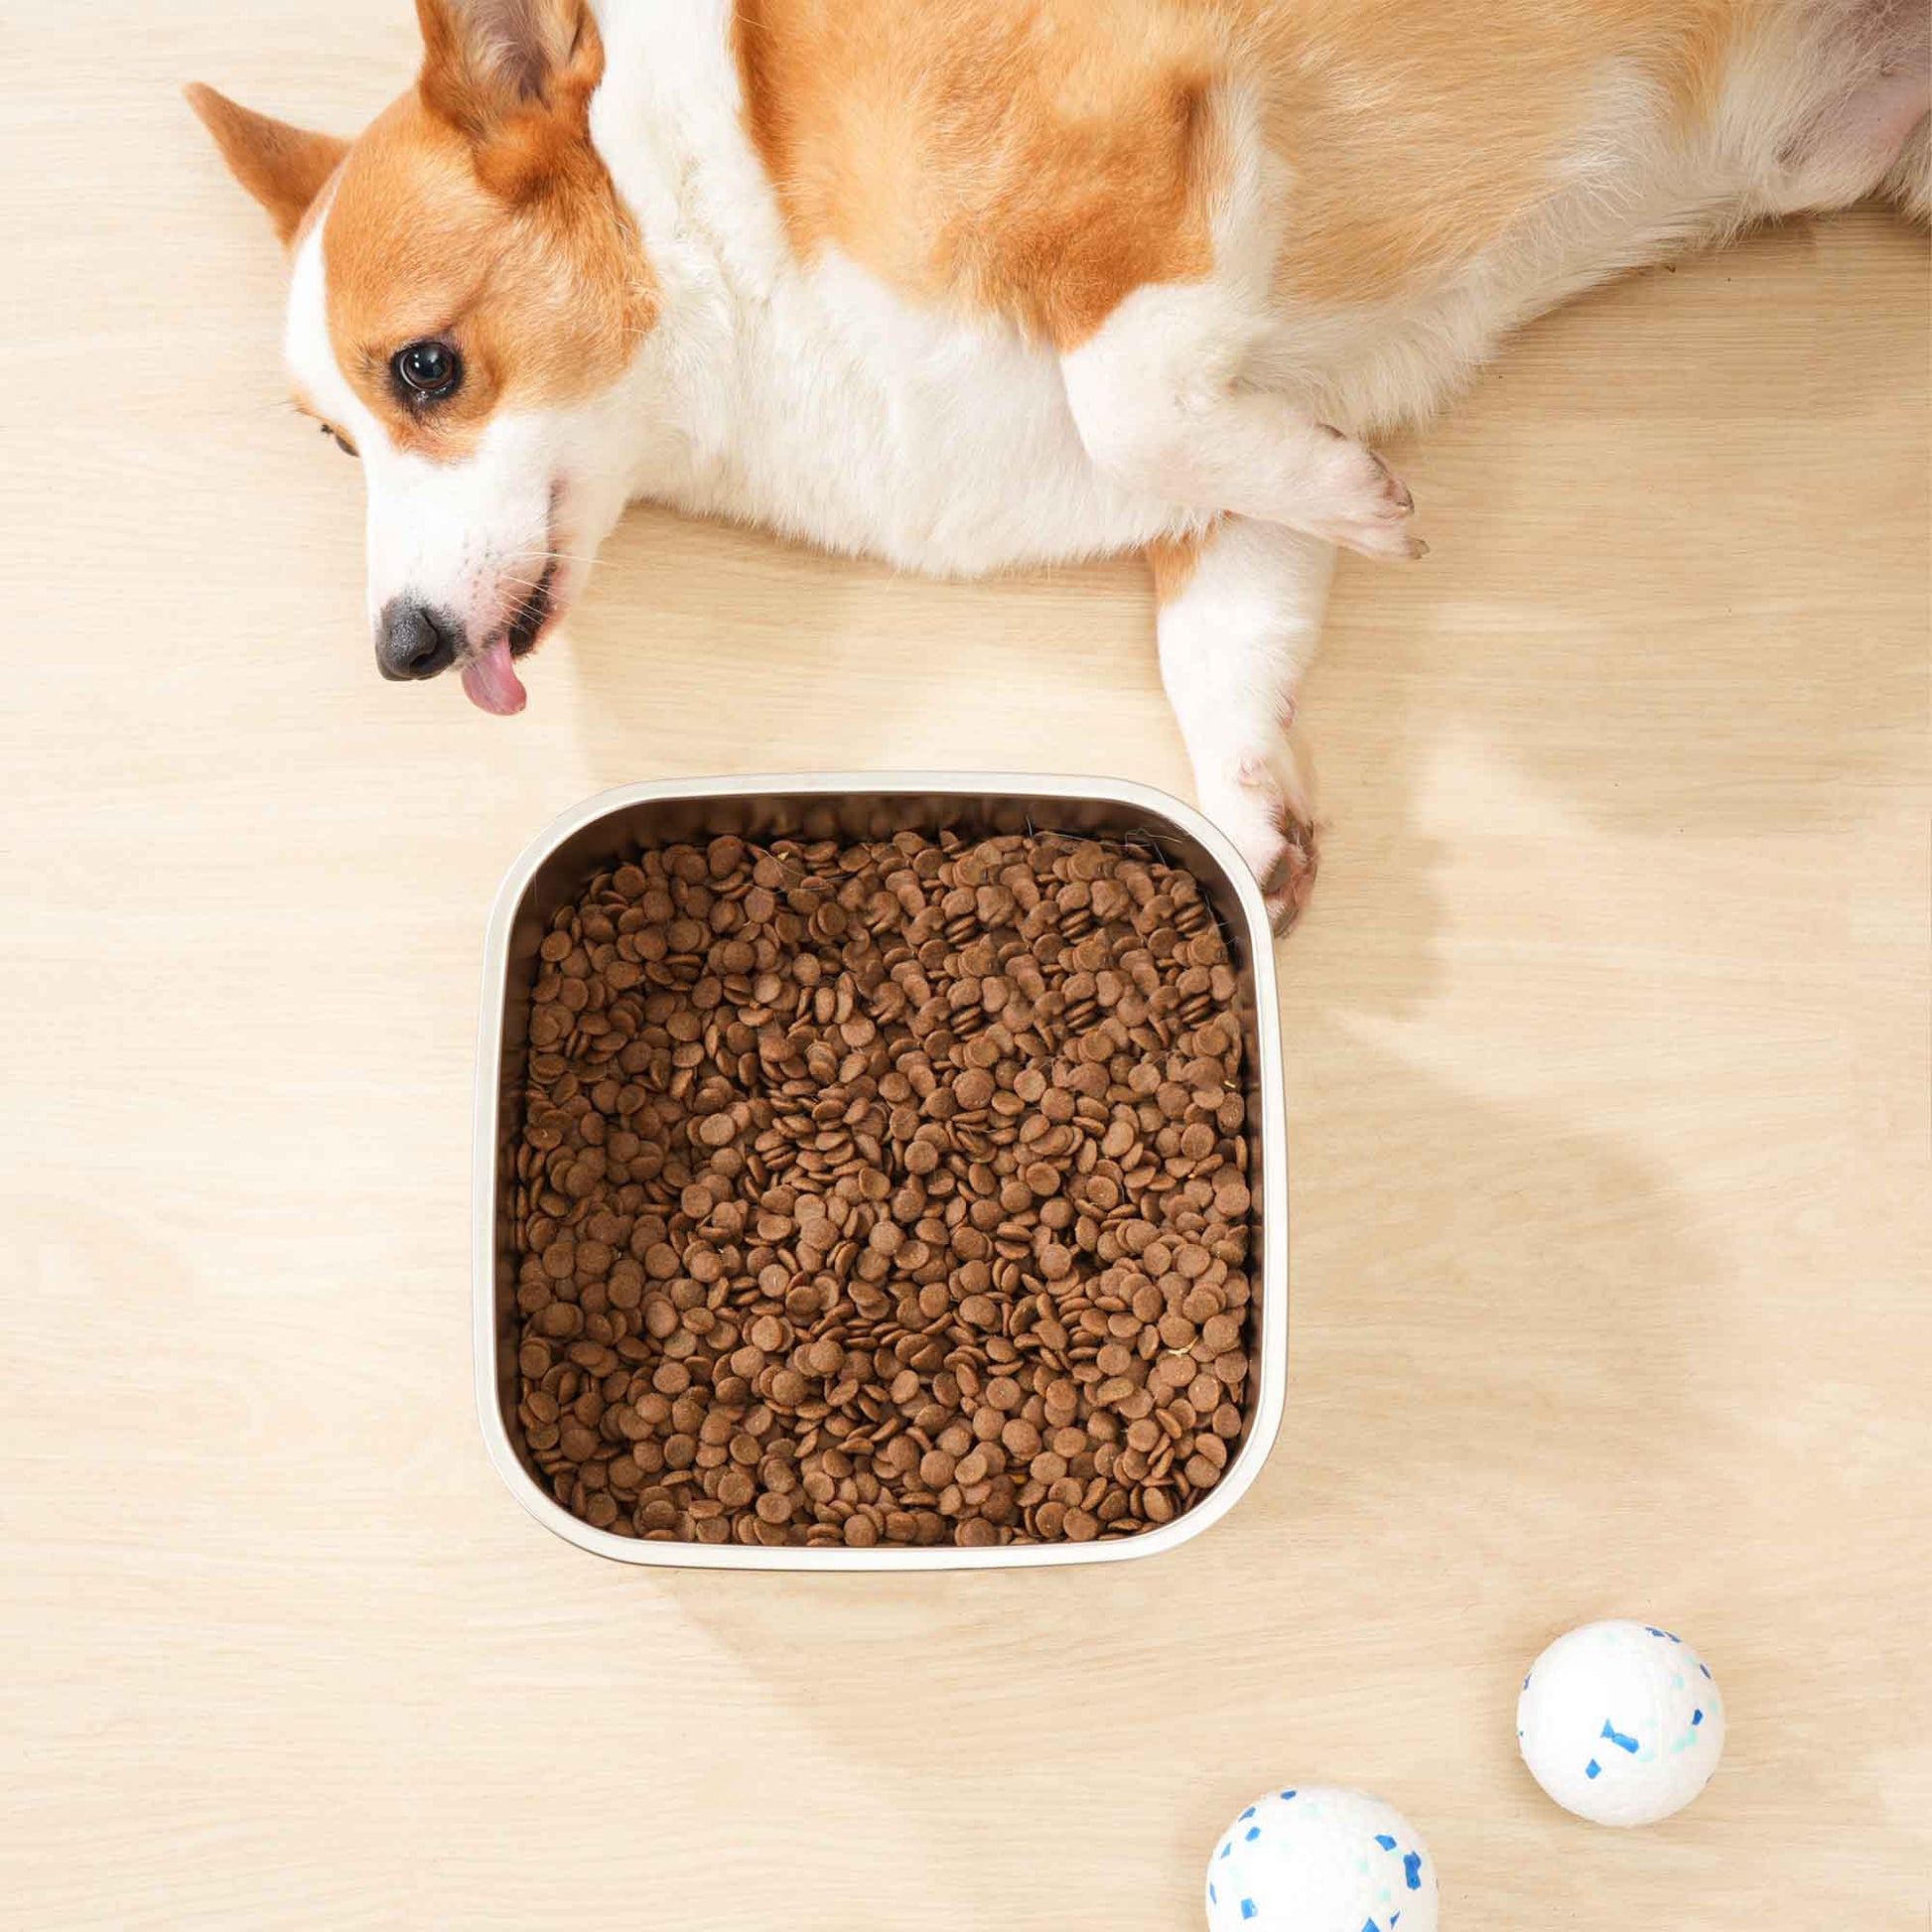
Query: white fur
1234 643
813 400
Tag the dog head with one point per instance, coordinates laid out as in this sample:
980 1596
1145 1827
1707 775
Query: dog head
466 294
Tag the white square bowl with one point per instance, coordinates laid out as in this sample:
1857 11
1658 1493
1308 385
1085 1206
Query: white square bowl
867 805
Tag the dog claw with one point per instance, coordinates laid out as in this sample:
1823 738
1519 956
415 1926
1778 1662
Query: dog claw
1280 847
1364 507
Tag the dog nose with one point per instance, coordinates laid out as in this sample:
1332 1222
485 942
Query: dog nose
413 641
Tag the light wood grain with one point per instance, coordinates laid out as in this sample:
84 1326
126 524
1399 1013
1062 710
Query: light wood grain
1608 1076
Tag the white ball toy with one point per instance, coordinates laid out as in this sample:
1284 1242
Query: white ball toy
1320 1858
1620 1722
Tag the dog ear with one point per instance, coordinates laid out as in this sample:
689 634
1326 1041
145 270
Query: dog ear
492 67
283 167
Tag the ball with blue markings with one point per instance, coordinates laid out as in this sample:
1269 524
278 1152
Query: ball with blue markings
1320 1858
1620 1722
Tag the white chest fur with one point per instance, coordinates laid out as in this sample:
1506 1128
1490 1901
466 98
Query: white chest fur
810 398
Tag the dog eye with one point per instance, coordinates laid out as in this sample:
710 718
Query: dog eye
427 371
341 441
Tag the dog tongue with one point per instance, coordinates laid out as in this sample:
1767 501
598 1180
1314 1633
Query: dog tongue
491 682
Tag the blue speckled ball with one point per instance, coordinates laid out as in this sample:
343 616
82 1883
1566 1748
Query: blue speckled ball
1320 1858
1620 1722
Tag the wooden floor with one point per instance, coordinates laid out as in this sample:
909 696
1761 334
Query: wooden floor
1608 1086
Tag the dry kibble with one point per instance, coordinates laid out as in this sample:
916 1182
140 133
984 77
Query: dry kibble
973 1089
1201 1305
886 1194
1220 1332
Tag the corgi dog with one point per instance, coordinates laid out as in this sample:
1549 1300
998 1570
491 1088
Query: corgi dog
972 285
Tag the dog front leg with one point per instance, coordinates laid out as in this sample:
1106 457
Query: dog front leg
1161 397
1239 617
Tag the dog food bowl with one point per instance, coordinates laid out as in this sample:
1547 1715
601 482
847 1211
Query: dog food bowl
862 805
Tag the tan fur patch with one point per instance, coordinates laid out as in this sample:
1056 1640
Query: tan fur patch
1040 159
284 167
1417 136
1039 162
1174 561
503 237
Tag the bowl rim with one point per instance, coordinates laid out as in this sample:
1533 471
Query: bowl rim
1273 1206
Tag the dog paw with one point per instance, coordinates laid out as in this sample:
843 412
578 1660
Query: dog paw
1281 845
1360 503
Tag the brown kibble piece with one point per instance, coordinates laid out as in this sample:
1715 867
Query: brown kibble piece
973 1089
1219 1332
1201 1302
